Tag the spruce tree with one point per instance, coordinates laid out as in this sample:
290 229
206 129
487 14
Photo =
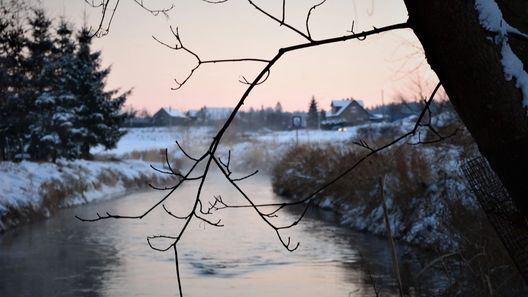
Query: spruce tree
322 115
65 101
40 102
312 119
99 117
13 82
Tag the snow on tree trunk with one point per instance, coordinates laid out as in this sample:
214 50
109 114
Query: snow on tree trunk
468 57
469 65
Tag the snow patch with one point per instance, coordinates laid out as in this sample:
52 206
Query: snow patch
491 19
26 184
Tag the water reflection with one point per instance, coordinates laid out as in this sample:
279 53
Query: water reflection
58 257
64 257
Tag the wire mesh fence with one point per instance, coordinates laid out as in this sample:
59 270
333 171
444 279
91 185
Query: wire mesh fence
511 226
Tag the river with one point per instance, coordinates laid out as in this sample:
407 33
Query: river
62 256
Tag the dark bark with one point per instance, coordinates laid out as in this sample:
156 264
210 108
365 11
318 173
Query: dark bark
469 67
85 151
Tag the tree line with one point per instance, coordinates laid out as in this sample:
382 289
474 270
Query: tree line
53 102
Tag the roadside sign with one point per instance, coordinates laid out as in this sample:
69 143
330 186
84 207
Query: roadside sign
296 122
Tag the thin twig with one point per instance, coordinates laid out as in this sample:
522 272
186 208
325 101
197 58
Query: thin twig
309 15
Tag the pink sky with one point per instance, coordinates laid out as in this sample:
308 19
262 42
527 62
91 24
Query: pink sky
361 70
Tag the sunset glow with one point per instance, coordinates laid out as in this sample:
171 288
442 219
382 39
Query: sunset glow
387 64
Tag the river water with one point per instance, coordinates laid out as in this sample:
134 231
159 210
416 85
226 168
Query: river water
62 256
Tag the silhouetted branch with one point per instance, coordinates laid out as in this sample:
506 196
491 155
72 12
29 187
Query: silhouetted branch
185 153
246 82
371 152
283 12
178 269
430 128
150 238
160 171
173 215
244 177
362 144
179 46
159 188
262 215
209 157
154 12
308 17
108 14
171 191
281 22
215 2
217 224
226 165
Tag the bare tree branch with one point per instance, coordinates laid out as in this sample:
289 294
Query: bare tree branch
281 22
179 46
103 29
308 17
155 12
215 2
175 216
209 157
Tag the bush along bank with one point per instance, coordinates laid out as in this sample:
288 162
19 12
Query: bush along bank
33 190
429 204
423 190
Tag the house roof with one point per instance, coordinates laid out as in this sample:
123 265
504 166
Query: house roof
192 112
341 106
173 112
218 113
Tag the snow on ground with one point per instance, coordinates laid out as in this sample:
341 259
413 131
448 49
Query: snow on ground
151 138
490 18
24 183
36 189
308 136
251 150
142 139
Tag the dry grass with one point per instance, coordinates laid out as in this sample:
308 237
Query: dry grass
152 155
57 193
481 266
304 168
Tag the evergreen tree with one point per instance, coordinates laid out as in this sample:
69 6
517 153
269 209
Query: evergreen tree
98 118
53 101
312 119
40 102
275 121
322 115
65 101
201 114
278 107
12 83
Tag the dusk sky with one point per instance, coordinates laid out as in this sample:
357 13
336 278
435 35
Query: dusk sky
391 62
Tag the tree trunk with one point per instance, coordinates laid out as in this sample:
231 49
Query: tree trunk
469 67
85 151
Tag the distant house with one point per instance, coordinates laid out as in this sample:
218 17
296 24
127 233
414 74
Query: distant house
168 116
139 121
346 112
209 115
218 113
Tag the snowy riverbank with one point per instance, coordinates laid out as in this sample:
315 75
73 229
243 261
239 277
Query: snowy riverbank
33 190
426 194
429 203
